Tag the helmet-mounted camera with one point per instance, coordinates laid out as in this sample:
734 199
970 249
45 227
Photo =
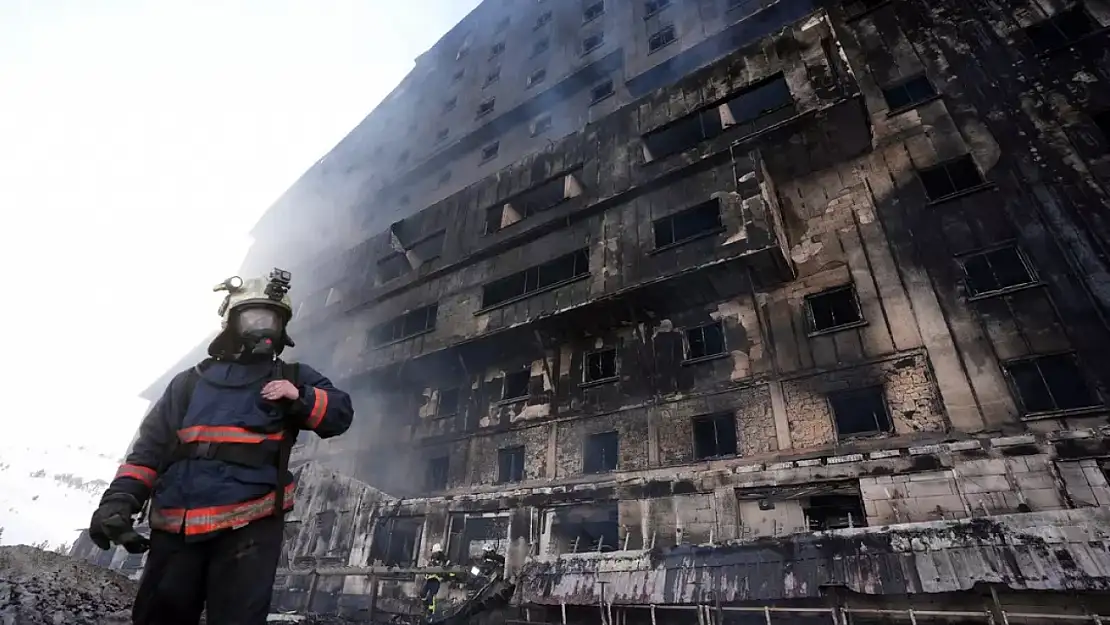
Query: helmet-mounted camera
279 284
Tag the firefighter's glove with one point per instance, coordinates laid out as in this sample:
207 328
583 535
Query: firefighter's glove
111 523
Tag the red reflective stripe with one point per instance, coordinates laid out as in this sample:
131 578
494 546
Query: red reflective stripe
223 434
319 407
145 475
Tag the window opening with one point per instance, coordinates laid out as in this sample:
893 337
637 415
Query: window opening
909 93
949 178
437 473
715 435
832 309
706 340
536 278
995 270
510 465
601 453
687 224
1050 383
516 384
601 365
860 412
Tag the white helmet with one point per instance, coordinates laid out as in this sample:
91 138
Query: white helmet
437 548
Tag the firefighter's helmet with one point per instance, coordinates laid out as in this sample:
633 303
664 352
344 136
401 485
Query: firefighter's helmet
270 293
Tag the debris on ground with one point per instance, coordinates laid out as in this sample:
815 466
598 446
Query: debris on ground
44 588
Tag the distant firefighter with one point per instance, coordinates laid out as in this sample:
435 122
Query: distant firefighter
212 458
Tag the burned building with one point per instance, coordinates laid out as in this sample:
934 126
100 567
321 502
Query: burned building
721 311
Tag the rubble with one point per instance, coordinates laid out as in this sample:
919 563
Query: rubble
44 588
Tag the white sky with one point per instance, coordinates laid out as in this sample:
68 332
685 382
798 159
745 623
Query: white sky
139 142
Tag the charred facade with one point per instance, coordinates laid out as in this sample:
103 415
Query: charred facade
715 305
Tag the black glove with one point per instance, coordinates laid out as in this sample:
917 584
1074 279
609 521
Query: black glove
111 523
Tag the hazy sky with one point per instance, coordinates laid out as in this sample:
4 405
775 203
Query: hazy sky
139 141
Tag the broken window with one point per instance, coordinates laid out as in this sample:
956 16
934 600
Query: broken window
392 266
544 18
832 309
1066 27
541 46
441 134
535 200
537 77
909 92
449 105
490 151
1102 121
1049 383
834 512
536 278
683 134
448 402
600 453
594 11
687 224
949 178
485 108
492 77
651 7
601 365
407 325
857 8
497 48
541 125
715 435
706 340
661 37
592 42
756 102
395 539
510 465
436 476
516 384
583 528
995 270
860 412
601 91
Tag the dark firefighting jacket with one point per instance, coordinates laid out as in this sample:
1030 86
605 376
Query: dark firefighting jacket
212 453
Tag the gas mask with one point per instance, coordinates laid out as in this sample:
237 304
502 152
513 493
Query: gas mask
259 330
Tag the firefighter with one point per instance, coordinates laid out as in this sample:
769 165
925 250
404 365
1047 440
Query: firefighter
432 582
212 458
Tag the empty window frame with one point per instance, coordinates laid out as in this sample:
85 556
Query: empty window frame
541 125
748 111
543 19
1050 383
497 49
833 309
660 38
859 8
540 46
493 76
593 11
995 271
600 366
834 512
651 7
536 77
1062 29
909 93
516 385
950 178
600 453
536 200
715 435
448 402
705 341
486 107
592 42
392 266
395 539
510 465
490 151
860 412
601 91
533 279
691 223
405 326
436 474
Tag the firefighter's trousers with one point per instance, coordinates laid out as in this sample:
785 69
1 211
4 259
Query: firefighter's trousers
231 574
